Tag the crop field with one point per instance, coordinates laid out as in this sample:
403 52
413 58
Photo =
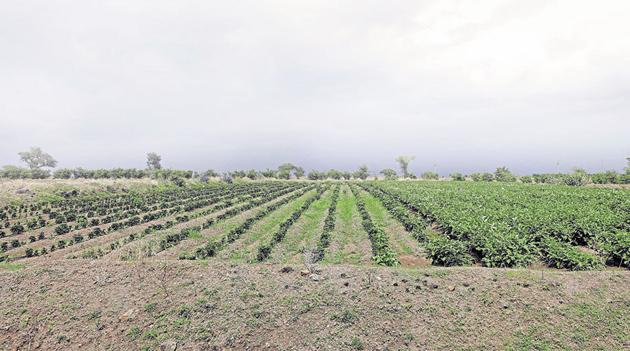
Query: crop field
359 223
308 265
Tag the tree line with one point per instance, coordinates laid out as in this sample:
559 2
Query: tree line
39 164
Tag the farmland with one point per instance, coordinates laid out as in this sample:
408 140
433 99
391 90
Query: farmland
194 249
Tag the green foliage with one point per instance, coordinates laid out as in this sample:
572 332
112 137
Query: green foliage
404 161
361 173
615 247
428 175
382 253
502 174
447 252
458 177
35 158
153 161
563 255
389 174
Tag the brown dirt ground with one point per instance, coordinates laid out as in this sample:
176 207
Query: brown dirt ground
98 305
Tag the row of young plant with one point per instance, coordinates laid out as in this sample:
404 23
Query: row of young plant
98 252
513 224
441 249
98 231
265 249
172 239
214 246
223 202
71 219
382 252
329 227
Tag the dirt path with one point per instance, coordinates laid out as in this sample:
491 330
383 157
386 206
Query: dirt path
349 241
303 235
409 251
245 248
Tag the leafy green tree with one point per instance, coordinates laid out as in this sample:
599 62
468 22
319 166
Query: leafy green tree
362 173
299 172
457 177
404 161
35 158
334 174
62 173
316 175
13 172
153 161
346 175
430 175
503 174
389 174
268 173
284 171
251 174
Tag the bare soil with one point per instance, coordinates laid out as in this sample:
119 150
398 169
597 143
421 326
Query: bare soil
183 305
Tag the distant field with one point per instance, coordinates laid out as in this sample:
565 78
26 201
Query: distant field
322 228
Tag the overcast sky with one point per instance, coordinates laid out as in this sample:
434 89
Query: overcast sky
462 85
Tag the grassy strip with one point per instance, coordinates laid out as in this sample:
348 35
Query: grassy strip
173 239
265 250
382 253
213 247
329 226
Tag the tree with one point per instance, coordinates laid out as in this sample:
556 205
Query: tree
316 175
36 158
251 174
153 161
457 177
284 171
389 174
268 173
334 174
503 174
299 172
346 175
362 173
404 161
430 175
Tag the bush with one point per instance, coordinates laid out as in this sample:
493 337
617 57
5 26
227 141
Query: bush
615 246
505 250
562 255
527 179
502 174
458 177
447 252
430 175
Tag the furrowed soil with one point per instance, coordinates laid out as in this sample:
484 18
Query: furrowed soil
200 305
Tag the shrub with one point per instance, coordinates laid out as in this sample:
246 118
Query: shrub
430 175
457 177
447 252
562 255
615 246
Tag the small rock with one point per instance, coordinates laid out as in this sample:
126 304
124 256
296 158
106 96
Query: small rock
434 286
286 269
168 345
418 287
305 272
505 305
343 275
129 315
451 288
378 278
466 284
314 277
526 285
395 284
346 284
